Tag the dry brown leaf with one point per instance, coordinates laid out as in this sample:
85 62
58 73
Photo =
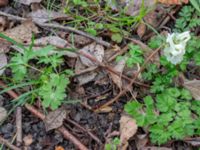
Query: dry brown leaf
3 114
59 148
119 67
3 62
3 3
55 119
194 87
3 23
133 6
43 15
94 50
28 140
128 129
104 110
52 40
155 148
23 32
79 40
171 2
141 29
141 141
28 2
86 77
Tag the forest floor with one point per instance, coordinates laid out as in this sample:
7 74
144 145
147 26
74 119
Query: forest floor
113 75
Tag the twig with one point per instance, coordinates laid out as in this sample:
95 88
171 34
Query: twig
8 144
94 137
66 28
109 68
132 81
38 114
19 126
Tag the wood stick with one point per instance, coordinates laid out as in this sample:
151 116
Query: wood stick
8 144
40 115
19 126
66 28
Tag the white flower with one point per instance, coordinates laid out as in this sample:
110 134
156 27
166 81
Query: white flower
175 48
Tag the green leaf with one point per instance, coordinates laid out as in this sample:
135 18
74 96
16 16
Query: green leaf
53 91
91 31
196 4
116 37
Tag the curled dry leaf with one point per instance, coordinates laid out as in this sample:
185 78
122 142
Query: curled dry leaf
28 140
119 68
55 119
28 2
94 50
3 114
59 148
43 15
194 87
128 128
23 32
3 3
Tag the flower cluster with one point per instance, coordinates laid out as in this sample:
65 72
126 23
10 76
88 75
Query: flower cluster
175 48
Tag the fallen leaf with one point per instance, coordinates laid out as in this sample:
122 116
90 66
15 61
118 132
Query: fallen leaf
194 87
52 40
119 67
3 23
3 114
94 50
141 29
133 8
155 148
43 15
86 77
141 141
195 143
28 2
55 119
128 128
28 140
3 62
78 39
3 3
104 110
171 2
59 148
22 33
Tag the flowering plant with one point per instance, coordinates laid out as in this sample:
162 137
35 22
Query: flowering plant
175 47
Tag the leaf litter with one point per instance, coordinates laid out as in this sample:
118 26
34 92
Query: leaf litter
88 72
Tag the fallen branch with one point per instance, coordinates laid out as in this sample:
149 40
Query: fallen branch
19 126
8 144
123 92
94 137
40 115
66 28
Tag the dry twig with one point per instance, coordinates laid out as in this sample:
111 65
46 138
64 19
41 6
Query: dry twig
132 81
19 125
66 28
38 114
8 144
